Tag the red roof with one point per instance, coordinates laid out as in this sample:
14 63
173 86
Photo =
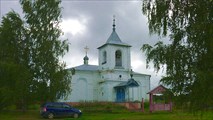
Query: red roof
157 90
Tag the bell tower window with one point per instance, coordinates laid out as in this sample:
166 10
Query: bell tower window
118 59
104 57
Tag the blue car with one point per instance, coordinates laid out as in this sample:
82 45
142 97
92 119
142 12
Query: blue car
58 109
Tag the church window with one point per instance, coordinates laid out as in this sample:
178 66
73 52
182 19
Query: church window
104 57
120 76
118 58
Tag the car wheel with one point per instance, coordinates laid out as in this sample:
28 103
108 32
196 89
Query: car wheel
50 116
75 115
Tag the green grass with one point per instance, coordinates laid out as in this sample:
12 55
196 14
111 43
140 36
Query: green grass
19 115
34 115
142 116
107 111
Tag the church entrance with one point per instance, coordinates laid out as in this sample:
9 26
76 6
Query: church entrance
120 95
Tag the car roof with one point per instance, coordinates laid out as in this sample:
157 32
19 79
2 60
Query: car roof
53 103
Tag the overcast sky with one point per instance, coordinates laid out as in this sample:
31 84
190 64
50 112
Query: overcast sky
89 23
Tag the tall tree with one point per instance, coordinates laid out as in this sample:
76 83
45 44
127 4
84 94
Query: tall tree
188 57
30 52
14 71
51 80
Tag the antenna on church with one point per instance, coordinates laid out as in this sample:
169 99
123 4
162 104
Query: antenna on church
113 23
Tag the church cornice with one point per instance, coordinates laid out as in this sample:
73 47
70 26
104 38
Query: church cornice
109 80
114 44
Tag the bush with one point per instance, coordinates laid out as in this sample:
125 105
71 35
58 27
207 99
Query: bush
101 107
34 107
146 105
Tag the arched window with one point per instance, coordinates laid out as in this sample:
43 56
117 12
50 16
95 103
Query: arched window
104 57
118 58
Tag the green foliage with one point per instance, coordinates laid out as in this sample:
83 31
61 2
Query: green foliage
43 18
34 107
13 65
30 50
188 58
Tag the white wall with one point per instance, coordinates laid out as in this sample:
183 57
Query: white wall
84 86
111 49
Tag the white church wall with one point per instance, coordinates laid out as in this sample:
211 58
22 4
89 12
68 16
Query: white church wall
112 79
107 92
103 92
111 90
101 62
120 75
110 63
81 90
125 75
144 88
133 94
84 86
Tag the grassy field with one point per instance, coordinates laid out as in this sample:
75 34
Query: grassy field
34 115
108 112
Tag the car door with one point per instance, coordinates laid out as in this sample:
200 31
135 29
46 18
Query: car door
58 110
67 110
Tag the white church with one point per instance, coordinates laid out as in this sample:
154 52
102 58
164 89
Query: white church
113 79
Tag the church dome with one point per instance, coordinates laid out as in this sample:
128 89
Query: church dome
86 58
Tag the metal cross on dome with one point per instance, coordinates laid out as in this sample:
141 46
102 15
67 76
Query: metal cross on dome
86 49
113 23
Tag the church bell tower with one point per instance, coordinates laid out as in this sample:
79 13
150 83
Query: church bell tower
114 54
